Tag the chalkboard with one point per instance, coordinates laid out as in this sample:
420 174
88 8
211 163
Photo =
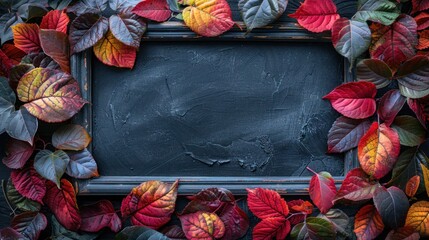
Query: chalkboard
237 111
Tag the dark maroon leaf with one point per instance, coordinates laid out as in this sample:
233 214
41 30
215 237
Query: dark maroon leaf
20 202
209 200
345 134
56 45
88 6
413 77
29 224
10 234
375 71
127 28
17 153
29 183
390 105
235 220
86 30
41 60
174 233
418 109
98 216
16 72
392 204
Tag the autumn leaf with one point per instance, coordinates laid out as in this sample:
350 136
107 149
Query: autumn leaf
236 221
390 105
26 37
380 11
16 73
259 13
17 153
357 186
423 40
322 190
410 131
174 232
339 219
61 233
403 233
41 60
20 202
413 77
378 150
418 109
9 233
422 21
265 203
62 203
202 225
395 43
51 165
345 134
22 125
98 216
82 165
412 186
121 5
71 137
29 183
354 100
368 223
350 38
112 52
5 64
29 224
86 30
392 204
374 71
155 10
419 5
316 15
299 210
208 18
56 20
151 204
418 218
425 173
55 44
127 28
13 53
271 228
60 102
314 228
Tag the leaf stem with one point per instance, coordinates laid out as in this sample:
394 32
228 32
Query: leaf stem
311 170
3 184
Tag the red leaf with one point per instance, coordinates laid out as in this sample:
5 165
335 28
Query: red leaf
345 134
419 5
235 220
13 53
156 10
151 204
29 224
412 186
316 15
423 40
56 20
395 43
62 202
113 52
301 209
5 64
422 21
56 45
418 109
26 37
29 183
271 228
354 100
357 186
322 190
202 225
390 105
265 203
98 216
368 223
17 153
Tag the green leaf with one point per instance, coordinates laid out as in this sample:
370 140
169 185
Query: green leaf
82 165
339 219
86 30
140 233
259 13
314 228
411 132
174 6
61 233
19 201
22 125
51 165
127 28
380 11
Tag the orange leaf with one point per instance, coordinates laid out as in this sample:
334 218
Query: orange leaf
412 186
26 37
368 223
202 225
55 44
423 40
425 171
56 20
112 52
418 217
403 233
378 150
208 18
151 204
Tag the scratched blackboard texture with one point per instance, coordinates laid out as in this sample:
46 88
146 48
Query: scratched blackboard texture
217 109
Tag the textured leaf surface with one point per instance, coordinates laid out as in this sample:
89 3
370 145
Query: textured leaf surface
71 137
395 43
374 71
380 11
412 186
236 221
392 204
350 38
378 150
413 77
418 218
98 216
22 125
13 53
50 95
16 73
156 10
26 37
29 183
357 186
368 223
137 233
62 202
41 60
82 165
208 18
423 40
122 4
51 165
202 225
418 109
345 134
316 15
422 21
174 232
259 13
56 20
390 105
86 30
404 233
410 131
354 100
322 191
55 44
265 203
29 224
127 28
112 52
151 204
419 5
88 6
425 172
314 228
20 202
17 153
339 219
271 228
299 209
